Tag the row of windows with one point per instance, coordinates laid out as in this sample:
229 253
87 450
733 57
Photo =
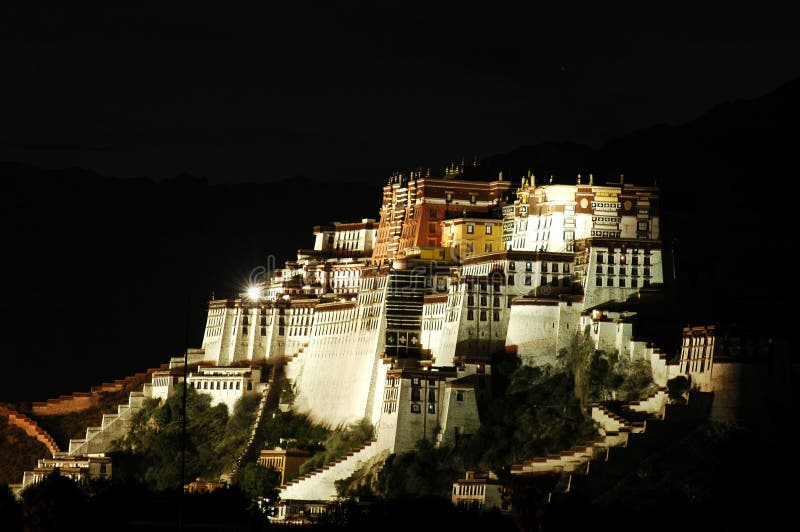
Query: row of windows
484 301
469 489
622 282
219 385
623 259
416 408
623 271
482 315
543 280
487 229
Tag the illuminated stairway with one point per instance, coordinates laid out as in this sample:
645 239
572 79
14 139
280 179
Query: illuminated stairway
319 485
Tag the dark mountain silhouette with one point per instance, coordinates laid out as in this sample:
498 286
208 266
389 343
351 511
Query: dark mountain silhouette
108 271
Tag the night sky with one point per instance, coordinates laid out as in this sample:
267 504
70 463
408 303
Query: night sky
343 94
349 93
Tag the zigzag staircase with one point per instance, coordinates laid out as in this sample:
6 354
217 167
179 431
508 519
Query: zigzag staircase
632 430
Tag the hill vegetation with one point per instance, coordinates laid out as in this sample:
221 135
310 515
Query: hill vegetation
19 451
533 411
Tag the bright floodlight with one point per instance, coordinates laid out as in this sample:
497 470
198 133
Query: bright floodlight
254 292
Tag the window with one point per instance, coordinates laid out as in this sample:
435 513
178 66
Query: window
483 315
647 272
566 268
238 385
218 385
646 283
543 280
415 408
512 266
599 269
623 270
205 385
432 227
414 381
483 301
634 283
611 270
527 280
644 226
471 300
280 331
431 382
598 281
555 267
647 261
599 258
433 214
622 283
496 315
565 281
470 229
511 279
459 396
610 281
635 260
263 331
431 408
611 259
470 314
488 229
415 394
554 282
487 247
635 272
473 199
496 301
224 385
431 396
529 267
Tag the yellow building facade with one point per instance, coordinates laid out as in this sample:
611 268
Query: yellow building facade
472 237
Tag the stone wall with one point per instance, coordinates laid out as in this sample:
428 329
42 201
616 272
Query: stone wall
30 427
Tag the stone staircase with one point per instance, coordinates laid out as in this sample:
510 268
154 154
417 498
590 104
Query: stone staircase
615 424
268 403
319 485
603 473
628 434
112 427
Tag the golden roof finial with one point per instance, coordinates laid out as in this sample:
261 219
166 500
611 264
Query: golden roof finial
591 179
579 179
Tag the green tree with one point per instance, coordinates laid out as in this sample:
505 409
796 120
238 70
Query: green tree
10 510
339 443
258 481
577 357
55 503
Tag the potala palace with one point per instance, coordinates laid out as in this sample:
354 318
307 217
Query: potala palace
395 320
